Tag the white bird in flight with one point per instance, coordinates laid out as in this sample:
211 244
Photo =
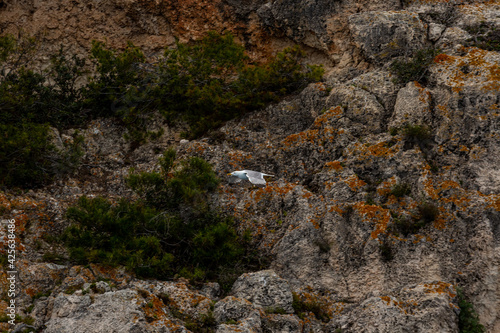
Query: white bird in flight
254 177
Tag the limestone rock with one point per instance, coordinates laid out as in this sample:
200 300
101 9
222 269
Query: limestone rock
110 312
452 37
362 110
264 289
435 31
380 84
303 21
384 35
430 307
413 106
281 323
211 290
232 308
251 324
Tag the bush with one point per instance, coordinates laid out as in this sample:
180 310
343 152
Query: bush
386 251
30 102
29 159
417 135
400 190
415 69
203 84
170 230
30 94
484 36
212 81
468 321
426 213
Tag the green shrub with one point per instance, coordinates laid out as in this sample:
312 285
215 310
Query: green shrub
386 251
416 133
29 159
415 69
400 190
468 321
31 100
426 213
34 95
276 310
484 36
211 81
170 230
203 84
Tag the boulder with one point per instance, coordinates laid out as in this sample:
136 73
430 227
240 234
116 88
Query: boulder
385 35
110 312
413 106
264 289
427 307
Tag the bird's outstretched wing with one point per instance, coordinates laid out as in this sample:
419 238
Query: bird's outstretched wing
256 178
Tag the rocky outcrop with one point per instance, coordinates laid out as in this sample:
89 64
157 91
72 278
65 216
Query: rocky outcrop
114 311
384 35
264 289
413 106
345 221
423 308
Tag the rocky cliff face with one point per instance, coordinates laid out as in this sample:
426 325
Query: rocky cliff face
338 232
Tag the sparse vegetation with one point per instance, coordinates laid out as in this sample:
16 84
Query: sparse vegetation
415 68
275 311
386 251
484 36
324 246
213 81
53 257
468 320
426 213
303 306
401 189
30 102
205 324
416 133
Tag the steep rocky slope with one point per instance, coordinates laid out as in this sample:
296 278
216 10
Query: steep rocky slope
338 233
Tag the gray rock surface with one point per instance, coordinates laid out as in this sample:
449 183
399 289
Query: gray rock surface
264 289
332 223
109 312
232 308
384 35
404 313
413 106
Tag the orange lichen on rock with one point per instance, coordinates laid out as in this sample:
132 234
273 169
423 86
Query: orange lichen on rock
483 72
440 288
333 112
237 159
354 182
368 153
374 214
440 58
335 165
302 137
385 187
405 306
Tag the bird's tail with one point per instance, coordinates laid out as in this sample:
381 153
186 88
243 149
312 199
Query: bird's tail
268 175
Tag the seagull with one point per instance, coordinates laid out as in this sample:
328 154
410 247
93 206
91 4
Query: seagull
254 177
